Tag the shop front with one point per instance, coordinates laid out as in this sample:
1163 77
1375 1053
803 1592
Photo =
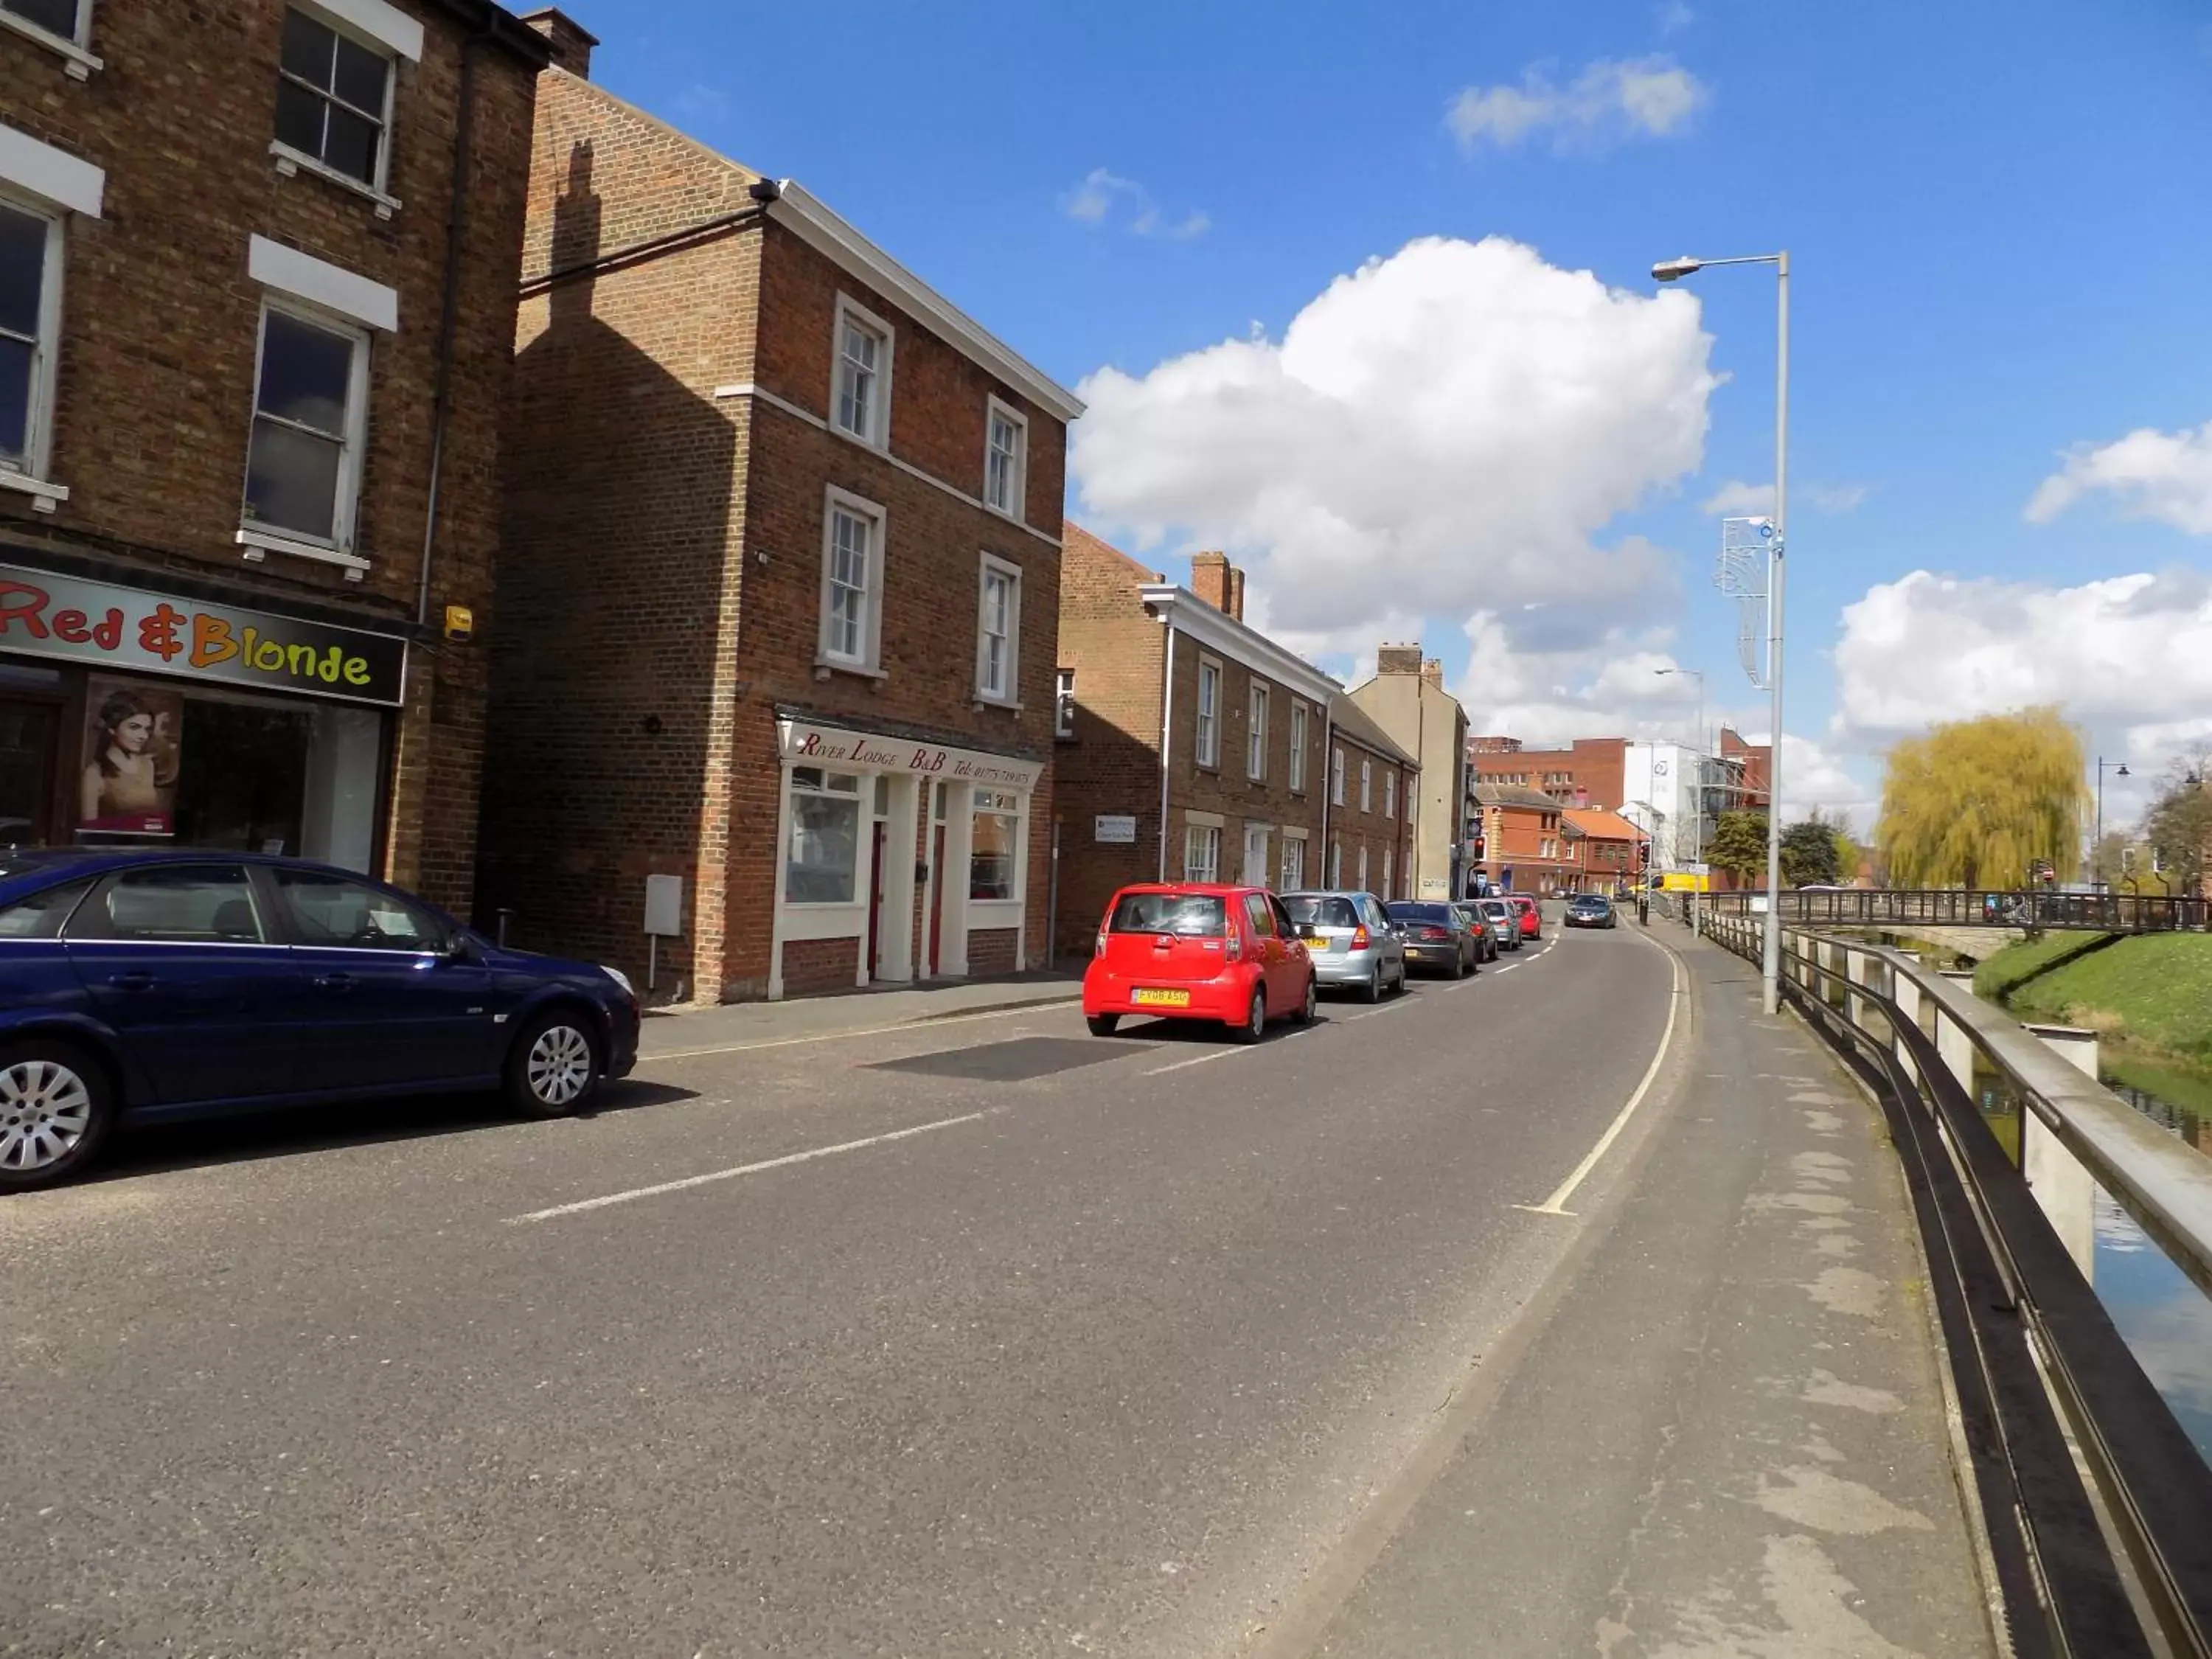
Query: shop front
129 717
902 860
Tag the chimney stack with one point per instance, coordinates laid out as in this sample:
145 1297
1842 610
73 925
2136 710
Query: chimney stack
1213 578
572 43
1236 593
1397 658
1433 673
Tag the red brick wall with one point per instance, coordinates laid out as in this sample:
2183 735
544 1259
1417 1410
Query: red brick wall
1374 829
1592 769
159 336
813 966
991 951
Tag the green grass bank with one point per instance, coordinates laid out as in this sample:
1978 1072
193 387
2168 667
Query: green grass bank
2150 996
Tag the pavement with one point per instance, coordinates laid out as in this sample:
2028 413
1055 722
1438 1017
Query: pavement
739 1024
1567 1309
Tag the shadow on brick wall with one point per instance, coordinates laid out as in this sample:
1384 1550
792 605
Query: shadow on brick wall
1106 771
619 481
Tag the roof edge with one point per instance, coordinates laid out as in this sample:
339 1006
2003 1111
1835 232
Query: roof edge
1179 607
497 24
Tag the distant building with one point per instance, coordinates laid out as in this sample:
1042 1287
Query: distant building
1523 839
1407 699
1585 773
1603 849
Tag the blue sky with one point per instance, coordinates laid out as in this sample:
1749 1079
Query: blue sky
1996 216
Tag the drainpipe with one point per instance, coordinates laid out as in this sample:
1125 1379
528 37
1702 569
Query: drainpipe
449 306
1167 742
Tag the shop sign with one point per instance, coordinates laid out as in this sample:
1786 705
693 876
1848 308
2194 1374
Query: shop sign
1114 829
828 745
120 627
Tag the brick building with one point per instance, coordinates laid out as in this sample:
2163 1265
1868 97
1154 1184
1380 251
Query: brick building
779 583
1523 839
1407 699
1585 773
1177 713
1604 851
1374 789
1746 769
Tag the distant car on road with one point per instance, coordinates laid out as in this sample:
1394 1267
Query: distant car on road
1505 923
1198 950
1590 910
1437 937
1470 912
138 984
1353 943
1531 918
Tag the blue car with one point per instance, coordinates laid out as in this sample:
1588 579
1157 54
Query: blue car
141 985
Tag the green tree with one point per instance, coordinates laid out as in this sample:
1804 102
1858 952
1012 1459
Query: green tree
1976 803
1809 857
1739 845
2179 825
2108 858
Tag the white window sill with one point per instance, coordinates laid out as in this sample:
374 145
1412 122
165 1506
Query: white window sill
985 699
825 666
44 496
851 437
290 161
76 62
1002 513
259 542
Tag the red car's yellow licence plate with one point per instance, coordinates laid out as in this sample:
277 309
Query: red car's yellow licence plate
1151 999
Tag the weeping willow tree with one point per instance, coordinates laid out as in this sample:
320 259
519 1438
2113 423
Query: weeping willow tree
1976 803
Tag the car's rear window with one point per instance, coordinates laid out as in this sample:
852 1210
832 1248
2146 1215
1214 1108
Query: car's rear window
1495 908
1322 912
1194 916
1403 911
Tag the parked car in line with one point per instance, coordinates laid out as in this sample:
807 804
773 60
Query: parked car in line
1437 937
1198 950
1590 910
1471 913
141 984
1353 943
1504 920
1531 918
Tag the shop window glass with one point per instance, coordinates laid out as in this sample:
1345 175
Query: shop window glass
825 837
329 910
993 849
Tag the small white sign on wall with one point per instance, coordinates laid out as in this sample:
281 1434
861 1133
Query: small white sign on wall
664 906
1114 828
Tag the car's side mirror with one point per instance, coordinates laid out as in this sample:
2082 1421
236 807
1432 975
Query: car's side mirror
459 947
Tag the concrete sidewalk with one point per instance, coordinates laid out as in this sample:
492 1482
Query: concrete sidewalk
668 1031
1729 1437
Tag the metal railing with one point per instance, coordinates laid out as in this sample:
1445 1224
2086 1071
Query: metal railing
1960 907
2119 1563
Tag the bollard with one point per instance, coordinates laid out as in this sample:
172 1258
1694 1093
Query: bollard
506 915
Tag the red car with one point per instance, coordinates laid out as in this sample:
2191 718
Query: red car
1532 919
1198 950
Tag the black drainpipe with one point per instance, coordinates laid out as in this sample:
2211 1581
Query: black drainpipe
457 221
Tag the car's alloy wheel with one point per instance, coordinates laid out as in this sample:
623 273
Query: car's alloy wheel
556 1067
1305 1014
1372 991
1255 1018
45 1113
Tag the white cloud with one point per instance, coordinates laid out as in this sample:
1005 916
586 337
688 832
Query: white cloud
1612 98
2151 474
1736 497
1093 201
2129 657
1442 432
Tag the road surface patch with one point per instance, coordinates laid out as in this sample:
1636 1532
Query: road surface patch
1020 1059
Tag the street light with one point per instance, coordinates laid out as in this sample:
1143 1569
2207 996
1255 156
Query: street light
1698 675
1671 270
2097 847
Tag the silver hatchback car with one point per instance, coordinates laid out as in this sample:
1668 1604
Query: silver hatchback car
1353 943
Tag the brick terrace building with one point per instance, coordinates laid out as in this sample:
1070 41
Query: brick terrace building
1373 790
1585 773
1602 851
1407 699
1176 714
1524 843
256 306
781 584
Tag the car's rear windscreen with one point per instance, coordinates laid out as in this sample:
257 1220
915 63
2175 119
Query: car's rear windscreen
1194 916
1405 912
1322 912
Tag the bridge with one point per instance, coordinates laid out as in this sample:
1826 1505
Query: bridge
1902 909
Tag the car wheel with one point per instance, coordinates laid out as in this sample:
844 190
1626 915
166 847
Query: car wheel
1372 991
55 1109
1255 1019
1102 1024
1305 1013
1459 964
553 1068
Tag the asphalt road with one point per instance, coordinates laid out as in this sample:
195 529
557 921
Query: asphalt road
975 1339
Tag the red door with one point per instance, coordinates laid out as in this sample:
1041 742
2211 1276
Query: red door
937 899
875 901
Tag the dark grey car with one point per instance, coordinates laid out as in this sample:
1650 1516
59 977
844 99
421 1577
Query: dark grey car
1504 926
1437 937
1471 913
1352 942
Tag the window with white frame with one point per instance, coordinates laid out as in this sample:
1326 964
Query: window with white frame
1294 863
1298 746
1366 784
997 631
1201 852
994 846
1336 777
1006 459
852 580
860 402
1389 793
30 322
69 21
1063 705
310 420
1256 734
334 99
1389 858
1336 864
1363 867
822 864
1209 712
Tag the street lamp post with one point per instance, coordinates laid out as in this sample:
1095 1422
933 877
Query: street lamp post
1673 270
1698 675
2097 847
